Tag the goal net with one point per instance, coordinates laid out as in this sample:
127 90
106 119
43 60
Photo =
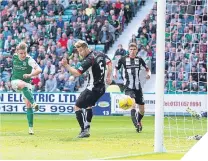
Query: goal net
185 73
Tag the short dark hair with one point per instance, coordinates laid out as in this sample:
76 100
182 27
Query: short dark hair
132 44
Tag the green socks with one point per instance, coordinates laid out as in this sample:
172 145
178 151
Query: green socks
30 117
28 95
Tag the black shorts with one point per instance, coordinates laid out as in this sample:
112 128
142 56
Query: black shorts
88 98
136 94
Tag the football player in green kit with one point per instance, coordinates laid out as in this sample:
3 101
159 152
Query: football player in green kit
24 68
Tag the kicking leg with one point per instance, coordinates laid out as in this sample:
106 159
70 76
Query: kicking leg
26 90
28 94
29 116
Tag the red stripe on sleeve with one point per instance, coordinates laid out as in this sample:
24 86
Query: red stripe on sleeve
79 71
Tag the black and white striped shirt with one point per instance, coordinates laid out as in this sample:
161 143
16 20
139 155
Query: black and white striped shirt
132 67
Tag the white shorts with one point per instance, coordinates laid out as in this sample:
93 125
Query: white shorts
15 83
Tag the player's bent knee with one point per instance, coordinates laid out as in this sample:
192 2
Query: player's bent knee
18 84
22 84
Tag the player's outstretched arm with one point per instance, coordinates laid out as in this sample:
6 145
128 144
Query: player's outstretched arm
72 70
117 67
148 73
109 72
115 73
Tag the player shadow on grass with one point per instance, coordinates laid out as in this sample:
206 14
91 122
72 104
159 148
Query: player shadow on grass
71 139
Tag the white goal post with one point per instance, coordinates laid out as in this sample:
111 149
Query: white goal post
160 70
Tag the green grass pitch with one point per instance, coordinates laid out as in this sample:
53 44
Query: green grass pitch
112 137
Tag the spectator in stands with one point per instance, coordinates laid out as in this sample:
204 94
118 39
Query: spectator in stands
51 84
194 73
6 32
39 88
89 9
53 29
2 87
93 37
60 23
66 29
8 65
31 28
105 38
98 27
59 50
60 82
50 8
35 81
7 43
151 29
65 3
143 40
129 10
202 77
183 87
58 34
63 40
133 39
116 24
101 18
122 20
74 16
49 70
1 41
8 87
120 51
143 53
143 2
69 85
1 64
54 60
93 16
110 28
84 34
59 8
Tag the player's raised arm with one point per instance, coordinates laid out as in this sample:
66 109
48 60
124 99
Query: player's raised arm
109 70
72 70
117 67
148 72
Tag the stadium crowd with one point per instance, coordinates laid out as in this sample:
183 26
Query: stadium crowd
185 47
51 27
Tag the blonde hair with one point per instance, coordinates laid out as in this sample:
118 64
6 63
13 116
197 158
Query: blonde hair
22 46
81 43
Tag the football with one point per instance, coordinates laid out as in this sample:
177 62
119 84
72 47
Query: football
125 102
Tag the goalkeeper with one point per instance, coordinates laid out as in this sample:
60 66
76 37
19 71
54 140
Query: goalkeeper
24 68
132 65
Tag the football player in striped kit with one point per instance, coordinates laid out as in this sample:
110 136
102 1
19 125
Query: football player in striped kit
132 65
